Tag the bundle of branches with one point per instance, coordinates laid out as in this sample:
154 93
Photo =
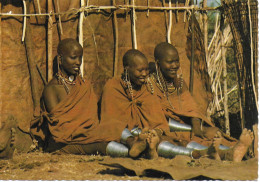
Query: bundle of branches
242 17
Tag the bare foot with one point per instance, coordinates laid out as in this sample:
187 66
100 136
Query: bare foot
210 132
7 137
213 150
139 145
153 141
240 149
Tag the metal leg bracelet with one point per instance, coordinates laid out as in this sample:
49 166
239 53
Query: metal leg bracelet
136 131
197 146
223 147
168 150
115 149
125 134
176 126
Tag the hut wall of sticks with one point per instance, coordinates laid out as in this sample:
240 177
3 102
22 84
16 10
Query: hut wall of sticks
30 31
242 17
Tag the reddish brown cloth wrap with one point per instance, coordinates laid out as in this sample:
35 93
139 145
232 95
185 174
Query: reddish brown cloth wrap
183 104
74 120
143 111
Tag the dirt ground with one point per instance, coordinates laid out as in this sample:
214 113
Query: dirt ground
45 166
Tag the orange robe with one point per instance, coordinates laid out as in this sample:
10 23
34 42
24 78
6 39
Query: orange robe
74 120
183 104
144 110
181 107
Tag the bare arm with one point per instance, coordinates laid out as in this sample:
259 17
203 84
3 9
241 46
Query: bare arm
50 97
207 132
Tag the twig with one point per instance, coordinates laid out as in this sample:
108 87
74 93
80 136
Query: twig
115 27
166 17
177 11
230 91
24 20
224 64
170 24
32 65
192 53
41 75
252 54
134 41
39 6
1 70
50 25
185 12
94 40
205 28
60 25
148 5
82 4
122 7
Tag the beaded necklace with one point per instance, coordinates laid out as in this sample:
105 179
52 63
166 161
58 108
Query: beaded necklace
64 81
167 88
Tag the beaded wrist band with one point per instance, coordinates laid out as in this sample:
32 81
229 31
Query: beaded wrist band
159 131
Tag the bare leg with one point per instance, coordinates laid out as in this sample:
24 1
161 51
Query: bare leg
153 141
237 153
240 149
213 150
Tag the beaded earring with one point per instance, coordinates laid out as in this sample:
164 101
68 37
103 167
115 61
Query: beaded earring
128 83
149 83
180 80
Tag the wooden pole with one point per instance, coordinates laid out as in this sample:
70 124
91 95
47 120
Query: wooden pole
134 41
123 7
49 38
240 93
205 28
24 20
148 11
1 83
185 11
81 16
166 18
224 64
170 24
31 64
39 7
252 55
115 40
177 12
192 52
60 25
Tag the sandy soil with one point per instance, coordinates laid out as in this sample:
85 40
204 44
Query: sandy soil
45 166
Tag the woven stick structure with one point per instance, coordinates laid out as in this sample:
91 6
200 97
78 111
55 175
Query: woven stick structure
215 65
237 14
